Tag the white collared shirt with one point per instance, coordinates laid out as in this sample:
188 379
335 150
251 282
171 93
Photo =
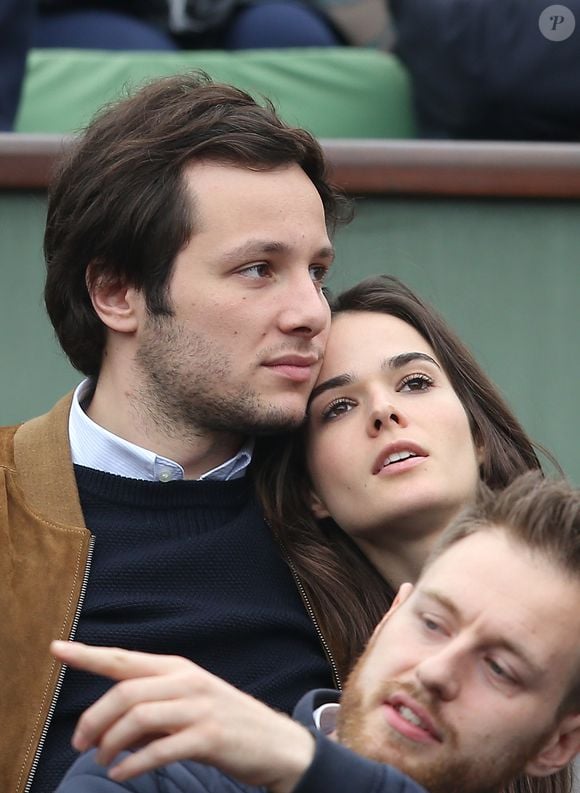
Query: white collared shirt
92 446
325 717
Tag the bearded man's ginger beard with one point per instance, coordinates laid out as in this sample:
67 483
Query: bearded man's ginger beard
361 728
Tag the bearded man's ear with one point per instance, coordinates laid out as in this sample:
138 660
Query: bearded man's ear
559 750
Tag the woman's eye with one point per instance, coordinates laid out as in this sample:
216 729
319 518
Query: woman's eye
416 382
337 408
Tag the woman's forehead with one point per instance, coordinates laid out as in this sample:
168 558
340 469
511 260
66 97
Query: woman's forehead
366 338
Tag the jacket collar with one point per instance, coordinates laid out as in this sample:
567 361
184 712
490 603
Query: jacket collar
45 470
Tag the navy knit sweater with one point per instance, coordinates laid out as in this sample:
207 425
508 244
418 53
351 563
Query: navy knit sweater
186 568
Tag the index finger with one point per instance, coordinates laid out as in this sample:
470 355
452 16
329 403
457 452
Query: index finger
113 662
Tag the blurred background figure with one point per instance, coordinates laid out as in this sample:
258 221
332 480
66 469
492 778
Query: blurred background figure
15 32
479 69
495 69
174 25
183 24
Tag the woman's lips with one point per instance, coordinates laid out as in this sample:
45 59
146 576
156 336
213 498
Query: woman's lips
398 457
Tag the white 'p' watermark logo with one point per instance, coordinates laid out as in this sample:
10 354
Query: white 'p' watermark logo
557 23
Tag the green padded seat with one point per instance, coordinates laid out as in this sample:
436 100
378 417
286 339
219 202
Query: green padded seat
342 92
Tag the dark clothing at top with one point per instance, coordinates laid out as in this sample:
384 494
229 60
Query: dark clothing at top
187 568
193 16
15 36
172 24
334 769
489 69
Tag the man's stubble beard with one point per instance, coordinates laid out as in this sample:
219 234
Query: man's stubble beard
388 747
183 385
450 773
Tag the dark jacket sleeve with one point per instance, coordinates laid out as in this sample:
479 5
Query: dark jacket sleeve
484 69
87 776
333 770
336 769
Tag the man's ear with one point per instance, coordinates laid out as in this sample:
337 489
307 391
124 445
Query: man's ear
561 747
116 304
317 506
401 596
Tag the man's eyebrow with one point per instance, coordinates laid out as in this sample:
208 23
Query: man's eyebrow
518 649
257 247
326 252
396 362
443 600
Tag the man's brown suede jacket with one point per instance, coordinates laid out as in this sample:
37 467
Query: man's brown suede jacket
43 558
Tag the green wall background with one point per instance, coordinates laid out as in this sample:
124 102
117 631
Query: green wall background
505 274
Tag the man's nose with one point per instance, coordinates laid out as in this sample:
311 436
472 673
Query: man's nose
440 673
304 310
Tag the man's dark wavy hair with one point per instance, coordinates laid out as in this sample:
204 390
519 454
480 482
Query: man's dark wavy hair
119 210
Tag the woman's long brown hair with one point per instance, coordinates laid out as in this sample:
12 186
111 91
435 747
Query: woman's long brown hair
347 593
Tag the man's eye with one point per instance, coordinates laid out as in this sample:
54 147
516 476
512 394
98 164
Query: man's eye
260 270
430 624
416 382
498 671
337 408
318 273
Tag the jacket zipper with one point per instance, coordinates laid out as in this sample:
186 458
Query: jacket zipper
312 615
59 682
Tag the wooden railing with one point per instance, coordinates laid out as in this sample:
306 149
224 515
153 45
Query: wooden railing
379 167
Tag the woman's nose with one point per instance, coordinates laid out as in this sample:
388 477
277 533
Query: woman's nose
385 415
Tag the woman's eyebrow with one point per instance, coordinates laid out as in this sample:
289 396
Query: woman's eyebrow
396 362
333 382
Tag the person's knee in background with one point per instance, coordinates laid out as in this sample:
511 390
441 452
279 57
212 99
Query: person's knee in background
279 24
98 29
